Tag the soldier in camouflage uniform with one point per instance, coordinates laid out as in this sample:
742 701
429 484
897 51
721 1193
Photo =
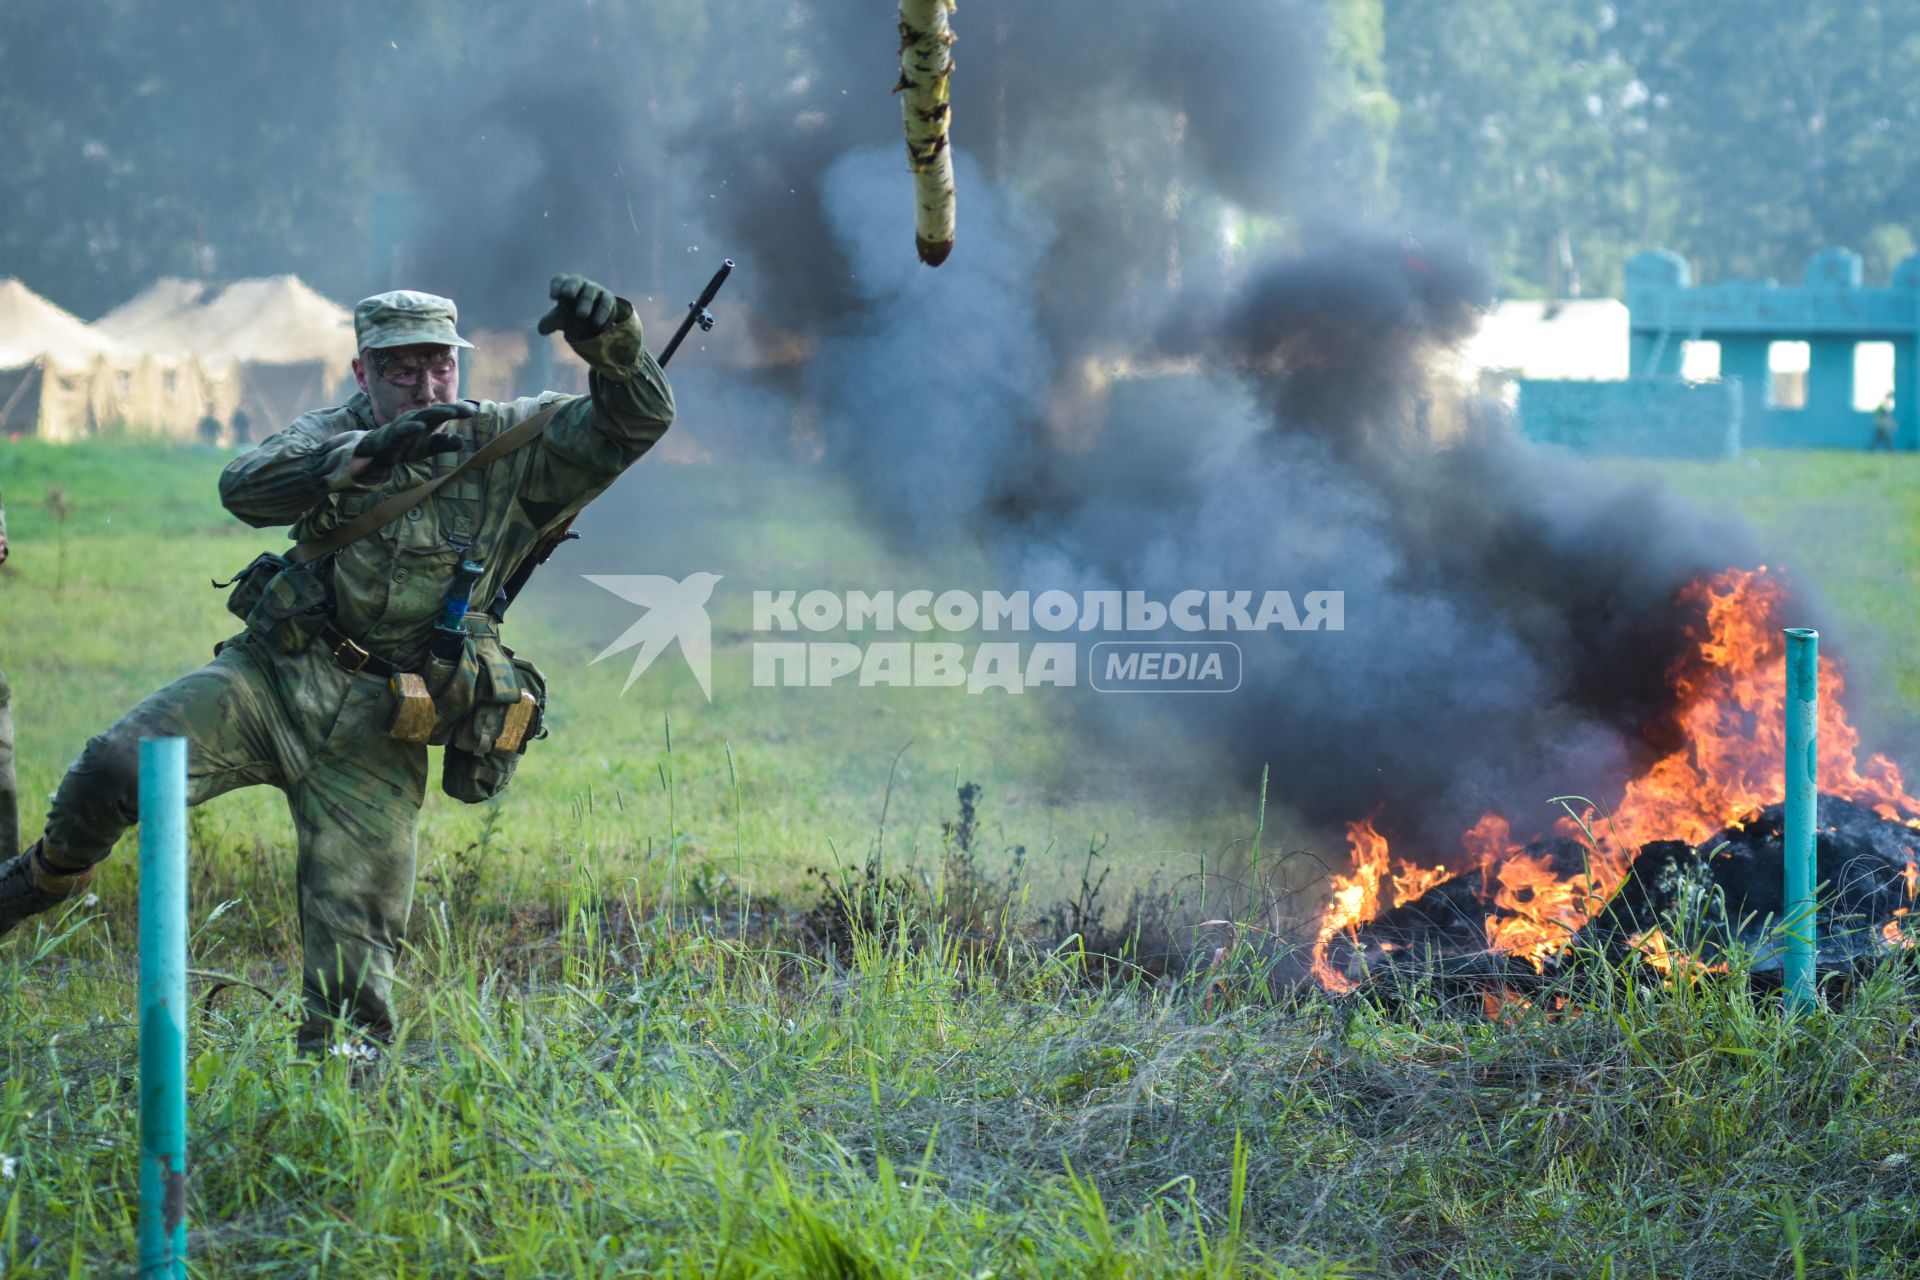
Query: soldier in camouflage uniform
314 721
9 790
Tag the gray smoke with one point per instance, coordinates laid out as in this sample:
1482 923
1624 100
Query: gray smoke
1509 619
1124 129
542 206
927 384
1525 623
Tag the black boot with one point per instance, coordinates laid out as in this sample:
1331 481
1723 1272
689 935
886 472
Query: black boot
30 885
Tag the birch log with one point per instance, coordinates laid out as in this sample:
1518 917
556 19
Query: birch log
926 65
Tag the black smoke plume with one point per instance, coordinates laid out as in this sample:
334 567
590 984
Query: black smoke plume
1104 388
1509 619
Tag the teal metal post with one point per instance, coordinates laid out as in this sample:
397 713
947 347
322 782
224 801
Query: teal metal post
163 1008
1803 795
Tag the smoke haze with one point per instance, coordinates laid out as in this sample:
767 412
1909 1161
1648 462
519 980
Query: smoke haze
1103 386
1508 624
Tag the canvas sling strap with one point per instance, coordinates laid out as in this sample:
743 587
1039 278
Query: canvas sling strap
392 508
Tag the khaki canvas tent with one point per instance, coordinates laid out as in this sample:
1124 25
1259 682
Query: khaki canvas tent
276 347
62 380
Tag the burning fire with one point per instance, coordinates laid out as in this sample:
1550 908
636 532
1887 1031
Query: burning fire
1546 911
1731 691
1356 898
1892 933
1733 700
1653 945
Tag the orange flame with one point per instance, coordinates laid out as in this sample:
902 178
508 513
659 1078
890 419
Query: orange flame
1356 897
1669 960
1892 932
1733 699
1541 911
1490 841
1730 692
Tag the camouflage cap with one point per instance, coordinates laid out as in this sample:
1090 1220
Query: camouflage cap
402 318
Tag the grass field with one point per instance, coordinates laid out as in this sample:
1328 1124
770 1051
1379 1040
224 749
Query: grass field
809 770
612 1069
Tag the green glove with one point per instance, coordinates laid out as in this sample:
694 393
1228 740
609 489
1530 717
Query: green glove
581 308
412 436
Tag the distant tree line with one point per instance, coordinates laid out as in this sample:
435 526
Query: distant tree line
1569 134
229 137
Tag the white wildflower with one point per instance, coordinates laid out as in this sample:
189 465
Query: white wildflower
355 1051
91 900
7 1166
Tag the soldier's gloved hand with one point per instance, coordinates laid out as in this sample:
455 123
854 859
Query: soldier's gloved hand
581 308
411 437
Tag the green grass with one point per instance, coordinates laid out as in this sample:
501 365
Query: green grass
609 1071
806 771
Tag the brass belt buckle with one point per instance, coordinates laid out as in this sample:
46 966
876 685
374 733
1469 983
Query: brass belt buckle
347 643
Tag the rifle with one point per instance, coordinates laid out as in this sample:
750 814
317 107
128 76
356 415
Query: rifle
697 314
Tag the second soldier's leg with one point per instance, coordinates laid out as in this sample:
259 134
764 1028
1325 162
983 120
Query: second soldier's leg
356 814
9 787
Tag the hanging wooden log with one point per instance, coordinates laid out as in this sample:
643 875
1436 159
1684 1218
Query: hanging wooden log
926 66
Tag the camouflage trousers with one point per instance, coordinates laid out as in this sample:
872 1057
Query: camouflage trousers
9 788
300 723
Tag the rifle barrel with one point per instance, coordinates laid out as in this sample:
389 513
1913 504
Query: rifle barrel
696 310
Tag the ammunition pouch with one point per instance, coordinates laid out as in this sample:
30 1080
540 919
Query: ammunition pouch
283 602
487 706
413 708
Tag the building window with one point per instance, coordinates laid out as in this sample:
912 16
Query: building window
1788 362
1700 360
1872 375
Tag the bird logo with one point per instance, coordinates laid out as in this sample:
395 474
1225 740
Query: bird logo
674 611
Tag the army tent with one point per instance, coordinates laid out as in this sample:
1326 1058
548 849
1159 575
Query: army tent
144 320
31 327
60 379
278 347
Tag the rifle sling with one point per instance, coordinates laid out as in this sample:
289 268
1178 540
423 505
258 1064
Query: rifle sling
392 508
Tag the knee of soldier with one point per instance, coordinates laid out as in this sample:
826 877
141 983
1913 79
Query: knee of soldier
109 769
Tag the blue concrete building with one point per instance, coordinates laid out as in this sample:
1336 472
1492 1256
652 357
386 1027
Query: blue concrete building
1832 313
1637 417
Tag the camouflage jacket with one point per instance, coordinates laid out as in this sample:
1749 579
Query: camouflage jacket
390 587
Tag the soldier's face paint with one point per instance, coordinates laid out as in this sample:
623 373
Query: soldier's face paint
401 379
